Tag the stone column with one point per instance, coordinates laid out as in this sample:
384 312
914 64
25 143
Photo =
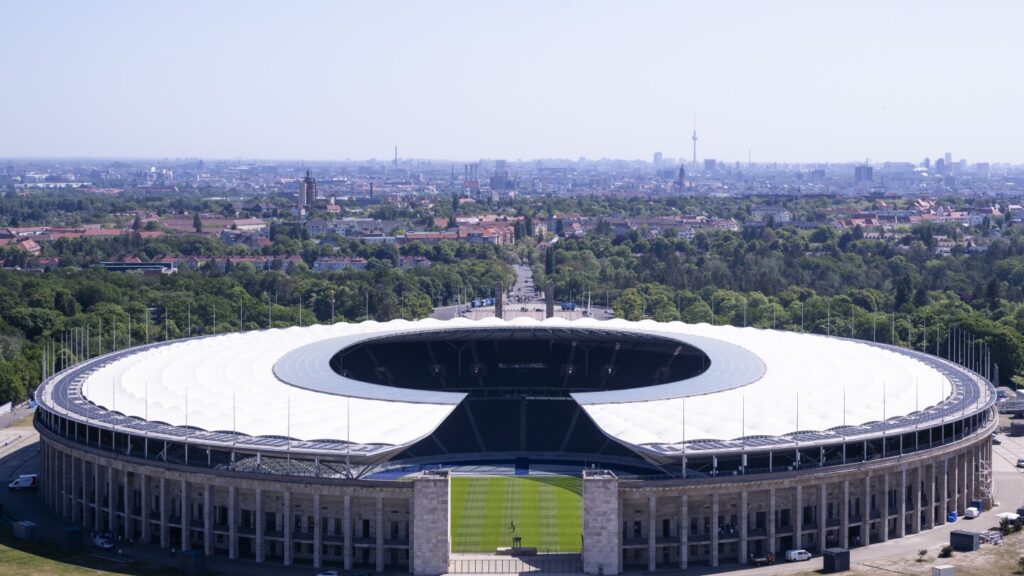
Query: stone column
111 500
771 520
916 492
380 534
287 514
932 476
257 543
73 489
822 517
186 518
971 476
798 516
602 525
743 526
652 519
961 460
684 531
97 500
208 519
85 496
57 469
844 516
147 506
318 537
165 531
943 492
64 508
964 500
46 457
232 522
884 532
901 505
865 513
347 532
127 488
65 494
714 529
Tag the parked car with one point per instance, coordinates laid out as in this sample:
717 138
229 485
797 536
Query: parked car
995 440
1020 462
972 512
102 542
797 555
25 482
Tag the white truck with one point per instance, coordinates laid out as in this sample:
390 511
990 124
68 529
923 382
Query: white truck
25 482
797 555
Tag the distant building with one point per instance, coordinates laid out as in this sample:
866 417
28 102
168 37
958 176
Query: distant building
307 191
336 263
777 214
135 266
657 159
863 174
710 164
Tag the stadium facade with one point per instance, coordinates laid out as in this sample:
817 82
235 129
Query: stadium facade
698 444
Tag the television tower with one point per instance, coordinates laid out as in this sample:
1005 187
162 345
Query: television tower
694 137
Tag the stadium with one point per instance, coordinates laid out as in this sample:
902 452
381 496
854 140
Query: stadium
620 445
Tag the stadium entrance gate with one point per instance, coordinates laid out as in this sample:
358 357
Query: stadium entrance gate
542 563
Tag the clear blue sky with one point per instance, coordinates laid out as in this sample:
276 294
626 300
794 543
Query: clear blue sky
790 81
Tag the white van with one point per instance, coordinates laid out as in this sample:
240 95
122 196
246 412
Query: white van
971 512
797 555
25 482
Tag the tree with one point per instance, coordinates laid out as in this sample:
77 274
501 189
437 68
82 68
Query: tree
630 305
904 289
197 223
12 389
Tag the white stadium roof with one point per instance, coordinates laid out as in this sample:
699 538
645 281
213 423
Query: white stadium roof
229 383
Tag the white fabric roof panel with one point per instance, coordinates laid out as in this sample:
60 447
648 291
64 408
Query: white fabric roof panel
228 384
812 372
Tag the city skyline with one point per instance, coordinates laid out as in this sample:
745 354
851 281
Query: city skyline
788 83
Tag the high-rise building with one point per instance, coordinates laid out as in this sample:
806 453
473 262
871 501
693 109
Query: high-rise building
694 137
307 191
949 159
500 180
863 174
657 159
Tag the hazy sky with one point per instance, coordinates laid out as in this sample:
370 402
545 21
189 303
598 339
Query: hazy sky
789 81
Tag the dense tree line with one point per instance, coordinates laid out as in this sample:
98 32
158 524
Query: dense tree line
819 280
39 311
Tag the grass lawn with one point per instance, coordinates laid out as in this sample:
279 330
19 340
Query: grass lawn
43 559
547 511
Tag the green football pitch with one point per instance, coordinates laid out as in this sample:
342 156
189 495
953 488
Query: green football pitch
547 512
